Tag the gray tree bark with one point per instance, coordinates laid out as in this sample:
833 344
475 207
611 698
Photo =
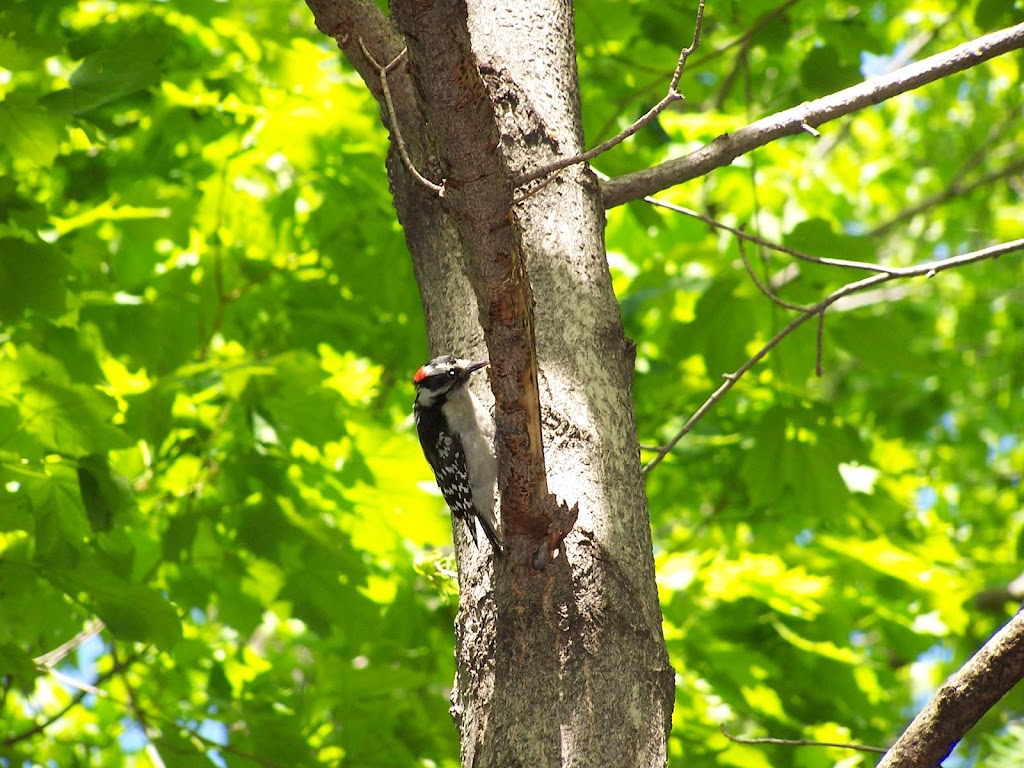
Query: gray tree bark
563 665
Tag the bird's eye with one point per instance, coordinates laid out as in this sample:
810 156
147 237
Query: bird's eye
452 373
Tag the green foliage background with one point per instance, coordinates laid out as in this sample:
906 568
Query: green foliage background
209 321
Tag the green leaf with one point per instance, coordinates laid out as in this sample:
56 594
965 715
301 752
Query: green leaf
299 404
61 525
15 510
106 495
31 277
818 238
149 414
123 67
133 612
30 132
723 325
17 667
822 72
73 420
761 470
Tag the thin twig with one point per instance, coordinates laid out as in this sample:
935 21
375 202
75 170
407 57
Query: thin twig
533 190
152 735
761 286
673 95
767 291
802 743
58 654
954 189
403 152
85 688
924 270
844 263
82 690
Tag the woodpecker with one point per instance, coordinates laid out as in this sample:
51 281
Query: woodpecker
457 436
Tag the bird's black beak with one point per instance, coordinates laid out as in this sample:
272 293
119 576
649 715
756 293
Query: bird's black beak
474 367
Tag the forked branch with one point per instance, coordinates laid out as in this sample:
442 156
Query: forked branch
817 310
403 152
673 95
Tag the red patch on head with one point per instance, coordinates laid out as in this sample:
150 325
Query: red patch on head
420 375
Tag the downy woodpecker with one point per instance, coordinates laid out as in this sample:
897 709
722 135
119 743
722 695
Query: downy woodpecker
457 436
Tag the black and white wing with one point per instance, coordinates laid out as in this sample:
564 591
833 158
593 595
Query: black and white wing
447 458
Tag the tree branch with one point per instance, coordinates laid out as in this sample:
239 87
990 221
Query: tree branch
367 37
955 189
760 241
83 689
358 25
729 146
670 97
961 701
403 152
58 654
924 270
800 742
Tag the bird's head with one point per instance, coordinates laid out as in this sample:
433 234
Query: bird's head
442 376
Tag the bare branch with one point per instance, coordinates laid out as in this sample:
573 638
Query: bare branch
673 86
367 37
58 654
846 263
382 72
673 95
961 701
82 689
766 290
900 59
924 270
744 42
800 742
955 189
728 147
357 25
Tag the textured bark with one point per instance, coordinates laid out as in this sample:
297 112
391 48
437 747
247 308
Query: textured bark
566 665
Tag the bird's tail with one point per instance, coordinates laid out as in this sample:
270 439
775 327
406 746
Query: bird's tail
490 526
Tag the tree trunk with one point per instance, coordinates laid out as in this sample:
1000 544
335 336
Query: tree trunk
565 665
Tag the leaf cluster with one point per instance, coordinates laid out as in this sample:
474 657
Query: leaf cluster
205 299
